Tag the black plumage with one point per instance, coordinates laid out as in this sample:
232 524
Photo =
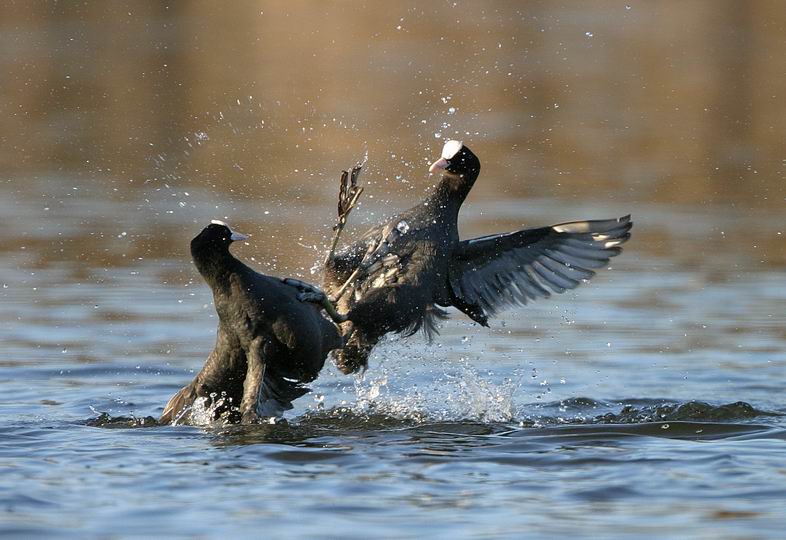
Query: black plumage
268 341
396 277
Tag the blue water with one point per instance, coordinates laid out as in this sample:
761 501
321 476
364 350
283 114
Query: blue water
648 403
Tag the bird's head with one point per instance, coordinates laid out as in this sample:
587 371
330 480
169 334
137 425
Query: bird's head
215 238
457 159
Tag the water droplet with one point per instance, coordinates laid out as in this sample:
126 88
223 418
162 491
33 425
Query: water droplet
437 135
451 110
402 227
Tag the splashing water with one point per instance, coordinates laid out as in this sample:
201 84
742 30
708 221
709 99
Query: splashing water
459 393
484 400
203 413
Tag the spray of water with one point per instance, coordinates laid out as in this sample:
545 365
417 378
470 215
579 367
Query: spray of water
451 391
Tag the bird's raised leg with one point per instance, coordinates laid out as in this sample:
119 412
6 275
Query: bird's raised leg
347 283
348 194
252 385
309 293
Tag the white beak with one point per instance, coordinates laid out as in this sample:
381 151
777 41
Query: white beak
439 165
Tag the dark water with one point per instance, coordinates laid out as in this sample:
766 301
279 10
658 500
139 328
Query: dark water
648 403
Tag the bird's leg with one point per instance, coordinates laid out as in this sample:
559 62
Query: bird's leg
348 330
252 385
347 283
348 194
312 294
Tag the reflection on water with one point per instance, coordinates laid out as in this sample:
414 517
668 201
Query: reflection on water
588 99
644 404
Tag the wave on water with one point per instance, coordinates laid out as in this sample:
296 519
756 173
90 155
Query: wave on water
464 396
370 415
106 420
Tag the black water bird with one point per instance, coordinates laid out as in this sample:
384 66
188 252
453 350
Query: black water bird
269 342
396 277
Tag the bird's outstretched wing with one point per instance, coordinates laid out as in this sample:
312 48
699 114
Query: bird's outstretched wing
496 271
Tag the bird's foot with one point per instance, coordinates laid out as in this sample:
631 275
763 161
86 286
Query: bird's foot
348 194
312 297
249 417
302 286
349 191
311 294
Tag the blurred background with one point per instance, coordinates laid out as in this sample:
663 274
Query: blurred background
254 109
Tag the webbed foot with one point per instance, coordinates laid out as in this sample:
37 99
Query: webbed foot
348 194
313 295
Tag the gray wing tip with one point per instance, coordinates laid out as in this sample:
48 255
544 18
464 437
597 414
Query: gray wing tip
595 226
570 251
626 221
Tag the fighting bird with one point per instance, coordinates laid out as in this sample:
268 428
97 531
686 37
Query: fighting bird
398 276
268 343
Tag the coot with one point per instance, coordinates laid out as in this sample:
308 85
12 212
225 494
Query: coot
268 342
396 277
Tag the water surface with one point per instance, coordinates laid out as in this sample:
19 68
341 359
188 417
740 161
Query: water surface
647 403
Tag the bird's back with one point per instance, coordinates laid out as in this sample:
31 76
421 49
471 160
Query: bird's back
264 305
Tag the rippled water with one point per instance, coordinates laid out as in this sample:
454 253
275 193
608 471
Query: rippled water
648 403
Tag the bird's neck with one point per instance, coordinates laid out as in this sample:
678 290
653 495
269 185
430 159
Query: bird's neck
452 190
215 268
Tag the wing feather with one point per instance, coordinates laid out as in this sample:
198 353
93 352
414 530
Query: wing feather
514 268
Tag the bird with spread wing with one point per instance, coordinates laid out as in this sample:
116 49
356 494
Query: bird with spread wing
398 276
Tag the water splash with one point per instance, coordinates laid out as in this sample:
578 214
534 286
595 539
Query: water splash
402 227
487 401
457 393
216 411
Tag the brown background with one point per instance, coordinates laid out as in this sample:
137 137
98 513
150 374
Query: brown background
625 104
